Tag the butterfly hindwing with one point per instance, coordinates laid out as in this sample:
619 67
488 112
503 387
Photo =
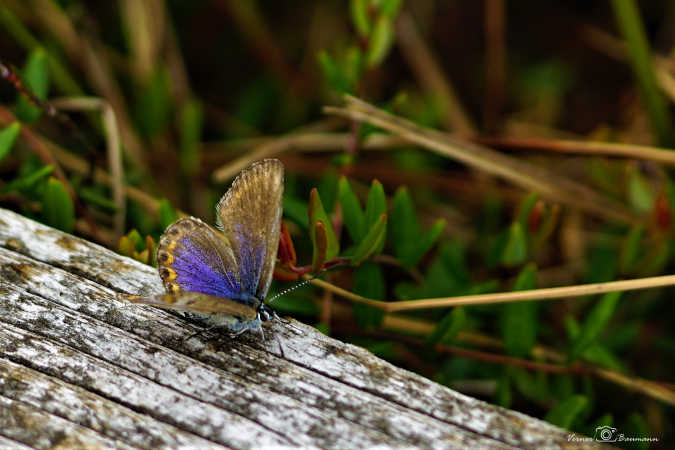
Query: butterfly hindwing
196 302
250 216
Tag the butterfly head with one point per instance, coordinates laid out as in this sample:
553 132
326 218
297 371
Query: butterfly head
265 313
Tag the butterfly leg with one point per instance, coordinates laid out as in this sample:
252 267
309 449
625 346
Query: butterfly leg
201 332
238 333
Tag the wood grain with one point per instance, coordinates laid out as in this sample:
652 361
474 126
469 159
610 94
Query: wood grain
78 368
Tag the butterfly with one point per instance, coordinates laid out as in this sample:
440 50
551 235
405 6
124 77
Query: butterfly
224 274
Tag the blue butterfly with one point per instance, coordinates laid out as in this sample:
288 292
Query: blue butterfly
225 275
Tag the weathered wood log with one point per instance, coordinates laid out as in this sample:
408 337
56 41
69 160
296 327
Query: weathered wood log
80 368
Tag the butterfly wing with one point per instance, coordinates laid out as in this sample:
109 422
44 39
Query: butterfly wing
250 216
193 257
196 302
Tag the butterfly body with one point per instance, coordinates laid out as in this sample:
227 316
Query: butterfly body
223 276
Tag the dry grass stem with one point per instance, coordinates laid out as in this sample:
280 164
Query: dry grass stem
530 177
113 150
643 152
505 297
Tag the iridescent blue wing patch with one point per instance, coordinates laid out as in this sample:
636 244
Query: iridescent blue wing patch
193 257
249 214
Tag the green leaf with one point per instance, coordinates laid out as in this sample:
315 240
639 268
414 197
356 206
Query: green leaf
448 328
630 23
359 13
372 242
58 210
428 240
376 206
153 106
151 246
26 182
640 192
636 426
655 261
35 76
519 319
565 413
595 323
126 246
409 241
8 136
143 256
390 8
167 215
515 251
352 215
318 214
525 383
352 67
296 210
504 395
631 248
405 227
368 282
333 73
601 356
381 40
137 240
94 197
525 208
328 189
190 128
563 387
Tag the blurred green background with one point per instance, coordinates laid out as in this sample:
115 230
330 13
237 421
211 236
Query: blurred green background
194 91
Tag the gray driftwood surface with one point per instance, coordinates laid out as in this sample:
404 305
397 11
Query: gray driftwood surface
78 368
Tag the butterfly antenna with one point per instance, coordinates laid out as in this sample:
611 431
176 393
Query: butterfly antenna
297 286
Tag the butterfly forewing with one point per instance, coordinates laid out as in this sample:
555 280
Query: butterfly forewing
250 216
193 257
